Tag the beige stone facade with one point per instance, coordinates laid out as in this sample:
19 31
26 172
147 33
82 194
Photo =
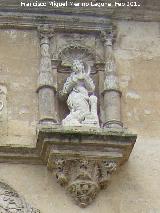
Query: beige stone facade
134 188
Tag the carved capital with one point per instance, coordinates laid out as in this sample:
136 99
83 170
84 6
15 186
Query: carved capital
45 31
106 38
111 82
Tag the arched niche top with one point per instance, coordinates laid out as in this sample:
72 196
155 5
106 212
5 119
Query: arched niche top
12 202
83 53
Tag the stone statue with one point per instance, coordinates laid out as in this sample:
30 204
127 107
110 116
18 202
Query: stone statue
81 102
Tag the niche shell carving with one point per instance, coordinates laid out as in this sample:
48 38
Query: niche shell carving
11 202
82 106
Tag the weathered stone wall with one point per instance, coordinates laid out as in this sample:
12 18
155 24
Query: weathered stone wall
138 56
134 189
19 64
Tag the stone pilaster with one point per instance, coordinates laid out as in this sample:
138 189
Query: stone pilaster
46 83
111 92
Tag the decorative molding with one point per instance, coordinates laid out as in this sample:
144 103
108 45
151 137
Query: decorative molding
10 201
61 23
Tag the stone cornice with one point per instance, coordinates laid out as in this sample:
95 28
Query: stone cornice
148 11
75 22
60 23
37 155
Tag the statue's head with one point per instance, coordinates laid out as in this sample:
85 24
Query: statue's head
77 66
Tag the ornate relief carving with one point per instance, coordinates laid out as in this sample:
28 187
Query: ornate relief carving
83 192
107 168
61 171
83 178
11 202
83 108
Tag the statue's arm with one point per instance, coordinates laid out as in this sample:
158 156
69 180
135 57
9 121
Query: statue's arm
69 85
89 83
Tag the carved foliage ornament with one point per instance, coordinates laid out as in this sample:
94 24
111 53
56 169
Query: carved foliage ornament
83 178
11 202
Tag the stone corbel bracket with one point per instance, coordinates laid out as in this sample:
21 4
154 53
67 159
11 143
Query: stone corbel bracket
83 160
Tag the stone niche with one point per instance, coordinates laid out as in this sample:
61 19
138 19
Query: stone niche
75 46
80 133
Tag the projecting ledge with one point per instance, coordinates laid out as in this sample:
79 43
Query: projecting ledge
84 159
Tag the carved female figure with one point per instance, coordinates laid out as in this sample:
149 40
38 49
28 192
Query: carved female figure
83 108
